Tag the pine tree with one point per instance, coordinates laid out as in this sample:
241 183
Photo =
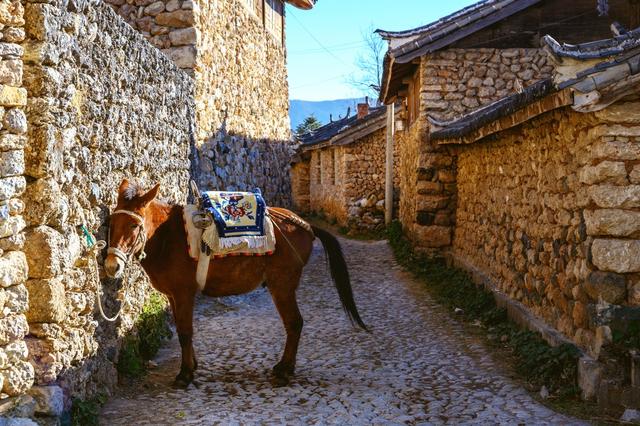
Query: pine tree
309 124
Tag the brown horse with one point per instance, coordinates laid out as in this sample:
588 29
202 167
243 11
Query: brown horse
142 223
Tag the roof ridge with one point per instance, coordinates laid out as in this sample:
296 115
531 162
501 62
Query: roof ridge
595 49
445 19
334 128
450 29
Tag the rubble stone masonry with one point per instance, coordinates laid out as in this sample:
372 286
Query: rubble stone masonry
168 25
453 82
459 81
354 196
327 186
16 373
103 104
241 93
300 186
85 101
551 211
242 102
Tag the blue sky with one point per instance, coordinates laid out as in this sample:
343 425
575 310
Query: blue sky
337 25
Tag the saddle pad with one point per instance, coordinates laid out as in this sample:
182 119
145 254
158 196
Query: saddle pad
236 214
231 246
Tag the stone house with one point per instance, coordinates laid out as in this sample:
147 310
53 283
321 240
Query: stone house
340 170
519 162
235 50
86 100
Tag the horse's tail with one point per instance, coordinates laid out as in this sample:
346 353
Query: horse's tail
339 274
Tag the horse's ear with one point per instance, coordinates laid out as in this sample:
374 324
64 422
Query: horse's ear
124 185
150 195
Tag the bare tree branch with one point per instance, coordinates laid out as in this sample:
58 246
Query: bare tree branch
370 63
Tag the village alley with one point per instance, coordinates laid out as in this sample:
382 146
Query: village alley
417 366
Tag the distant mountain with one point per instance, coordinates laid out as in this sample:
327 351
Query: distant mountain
321 109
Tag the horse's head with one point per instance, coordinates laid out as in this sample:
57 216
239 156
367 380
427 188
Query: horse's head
128 227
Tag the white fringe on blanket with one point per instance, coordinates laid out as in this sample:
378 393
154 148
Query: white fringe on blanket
194 235
242 245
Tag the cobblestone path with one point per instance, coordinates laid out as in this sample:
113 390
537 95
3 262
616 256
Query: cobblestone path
416 367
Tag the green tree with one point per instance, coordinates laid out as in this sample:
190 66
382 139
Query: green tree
309 124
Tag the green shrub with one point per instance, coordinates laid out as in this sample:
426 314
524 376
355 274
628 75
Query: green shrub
87 412
152 329
153 325
130 362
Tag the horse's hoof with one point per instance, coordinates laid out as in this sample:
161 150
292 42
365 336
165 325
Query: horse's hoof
283 370
279 381
182 382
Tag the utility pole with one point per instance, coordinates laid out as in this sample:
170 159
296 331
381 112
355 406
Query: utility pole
388 184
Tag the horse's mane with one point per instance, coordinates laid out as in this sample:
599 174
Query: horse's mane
134 189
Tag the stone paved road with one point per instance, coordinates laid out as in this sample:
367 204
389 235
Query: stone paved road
416 367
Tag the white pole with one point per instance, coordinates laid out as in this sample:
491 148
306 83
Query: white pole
388 184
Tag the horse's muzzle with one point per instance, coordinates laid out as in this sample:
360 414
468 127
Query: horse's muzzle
113 266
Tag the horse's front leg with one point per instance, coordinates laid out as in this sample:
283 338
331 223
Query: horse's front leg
183 314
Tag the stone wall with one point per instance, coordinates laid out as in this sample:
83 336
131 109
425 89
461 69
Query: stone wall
16 373
458 81
550 210
241 93
103 105
613 216
453 82
427 188
365 162
167 24
327 189
301 186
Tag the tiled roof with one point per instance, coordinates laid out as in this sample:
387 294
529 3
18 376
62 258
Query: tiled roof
442 21
405 46
494 111
448 30
627 40
331 130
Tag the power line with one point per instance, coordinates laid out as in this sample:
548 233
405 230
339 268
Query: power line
317 51
316 40
336 46
315 83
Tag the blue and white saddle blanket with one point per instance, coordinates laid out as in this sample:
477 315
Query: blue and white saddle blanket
240 225
236 214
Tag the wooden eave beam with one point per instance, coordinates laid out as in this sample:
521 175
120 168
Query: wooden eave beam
549 103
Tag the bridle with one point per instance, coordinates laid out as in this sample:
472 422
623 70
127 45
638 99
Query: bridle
141 239
127 258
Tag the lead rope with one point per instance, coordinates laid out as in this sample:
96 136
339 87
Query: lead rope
96 246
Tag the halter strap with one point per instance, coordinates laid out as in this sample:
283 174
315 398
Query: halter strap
134 215
142 236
